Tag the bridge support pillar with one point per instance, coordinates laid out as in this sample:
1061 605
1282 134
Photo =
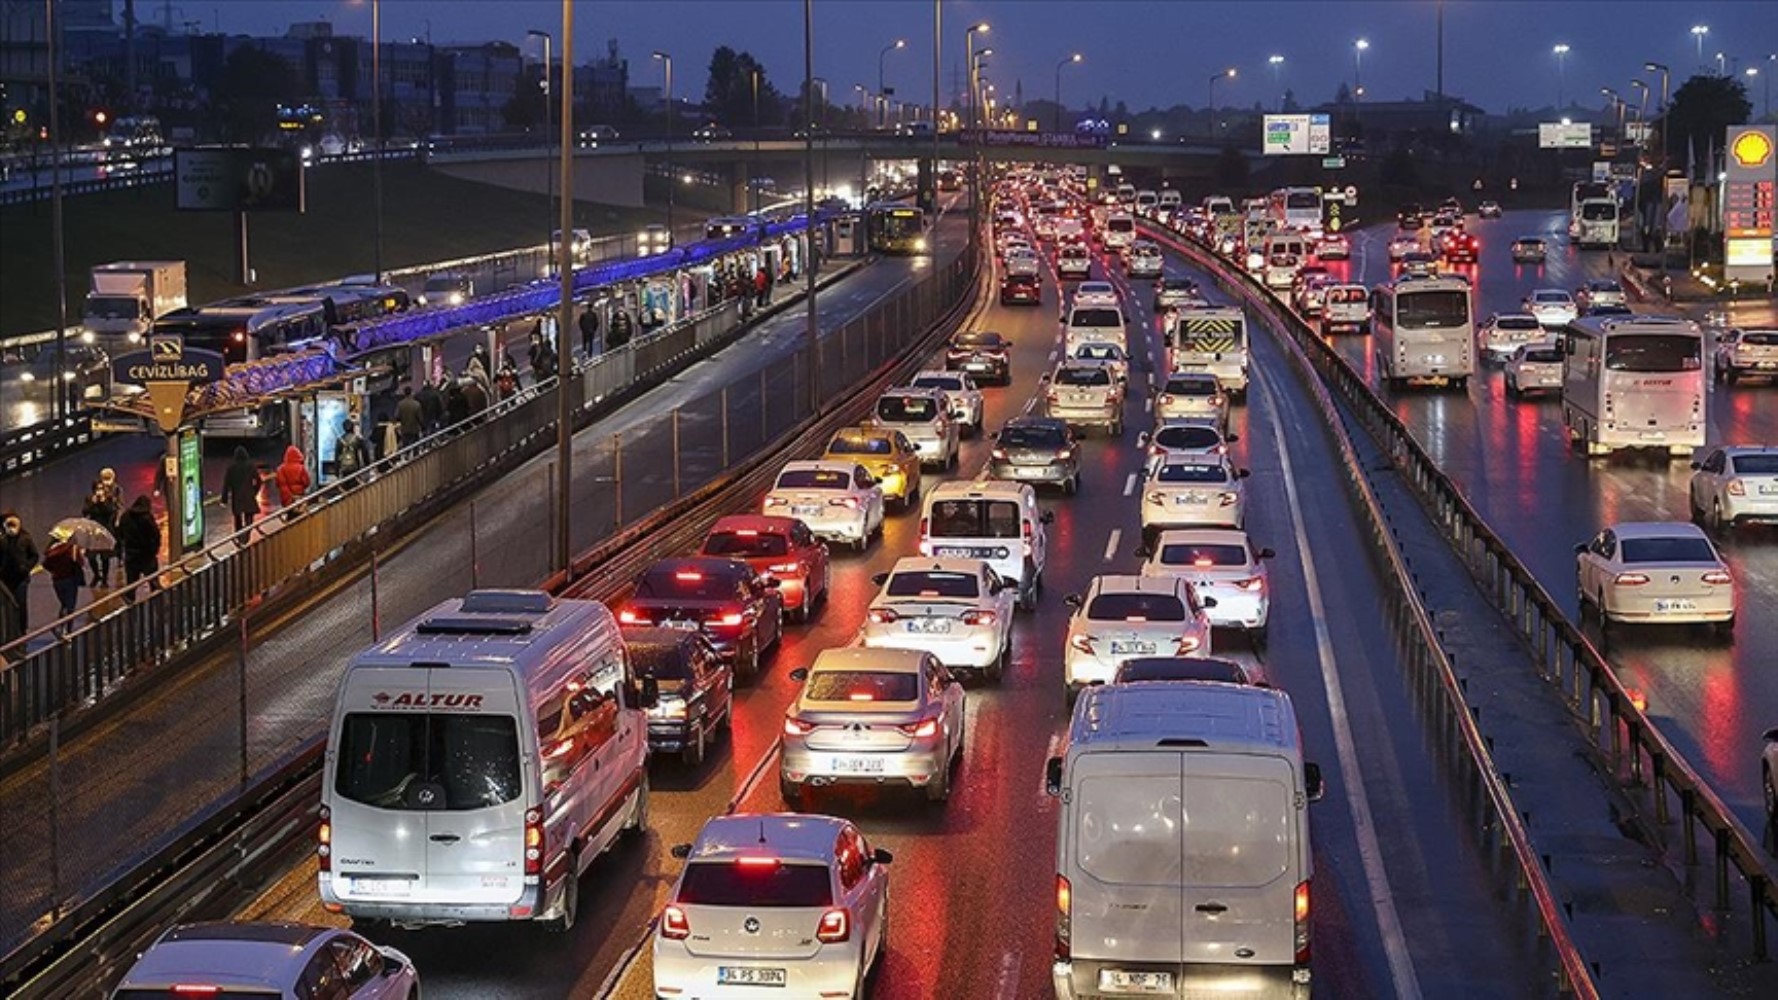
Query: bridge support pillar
740 187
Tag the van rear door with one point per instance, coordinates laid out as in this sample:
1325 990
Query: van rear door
1240 839
1124 860
475 844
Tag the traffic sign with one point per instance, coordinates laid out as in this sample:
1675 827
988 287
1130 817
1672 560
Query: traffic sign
1334 162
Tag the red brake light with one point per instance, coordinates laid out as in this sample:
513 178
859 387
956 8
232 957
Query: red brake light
674 925
848 502
534 842
794 726
1719 577
1064 918
194 990
1736 488
688 577
747 533
788 567
925 727
1302 923
835 926
757 862
324 842
1203 561
1188 645
1253 585
1631 579
628 617
982 617
1083 642
731 619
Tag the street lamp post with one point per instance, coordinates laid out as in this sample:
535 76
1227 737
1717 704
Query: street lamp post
1225 74
812 328
1561 50
899 43
1698 33
1277 64
1358 49
565 308
1641 111
549 187
376 118
1076 57
672 181
969 66
59 395
1753 72
1661 68
1618 102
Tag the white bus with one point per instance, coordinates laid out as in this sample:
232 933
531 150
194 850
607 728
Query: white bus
1424 329
1634 382
1297 208
1596 225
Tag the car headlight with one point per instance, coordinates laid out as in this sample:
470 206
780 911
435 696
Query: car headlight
920 243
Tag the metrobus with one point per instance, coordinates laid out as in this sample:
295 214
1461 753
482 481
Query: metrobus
1297 208
1633 382
1423 329
897 229
249 328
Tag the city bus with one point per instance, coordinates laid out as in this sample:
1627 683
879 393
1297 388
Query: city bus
1633 382
896 229
1297 208
1423 330
250 328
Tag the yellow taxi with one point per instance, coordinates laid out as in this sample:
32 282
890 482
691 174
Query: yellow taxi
886 454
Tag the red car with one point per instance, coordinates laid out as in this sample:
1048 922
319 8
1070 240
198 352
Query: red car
1021 289
779 547
1461 247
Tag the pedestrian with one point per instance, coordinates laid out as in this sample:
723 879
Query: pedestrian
62 561
621 328
762 286
506 382
103 508
456 404
351 453
240 489
432 406
480 357
18 557
589 330
544 365
475 398
410 418
533 352
478 371
139 536
292 477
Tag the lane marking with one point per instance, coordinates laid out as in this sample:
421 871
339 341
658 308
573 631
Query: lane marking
1130 485
1116 536
1395 946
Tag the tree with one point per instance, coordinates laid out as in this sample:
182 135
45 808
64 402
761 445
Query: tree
1703 109
1290 104
1399 170
253 83
1343 95
728 93
1231 169
525 110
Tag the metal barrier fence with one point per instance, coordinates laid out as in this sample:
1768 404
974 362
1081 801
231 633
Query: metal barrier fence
85 826
25 448
1643 758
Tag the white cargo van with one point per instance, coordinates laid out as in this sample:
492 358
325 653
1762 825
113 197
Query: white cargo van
995 521
1182 857
479 759
1093 324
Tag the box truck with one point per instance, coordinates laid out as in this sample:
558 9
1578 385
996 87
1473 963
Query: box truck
128 296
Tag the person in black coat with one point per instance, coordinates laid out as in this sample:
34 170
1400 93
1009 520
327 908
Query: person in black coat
139 536
432 405
240 489
456 404
589 330
18 557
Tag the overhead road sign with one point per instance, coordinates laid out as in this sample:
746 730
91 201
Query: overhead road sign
237 179
1287 135
1559 135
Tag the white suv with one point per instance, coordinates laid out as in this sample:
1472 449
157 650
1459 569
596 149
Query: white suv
923 416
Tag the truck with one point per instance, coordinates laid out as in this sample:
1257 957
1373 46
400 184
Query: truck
128 296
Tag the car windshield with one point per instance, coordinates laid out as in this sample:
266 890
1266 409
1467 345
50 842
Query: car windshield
1552 299
744 543
1033 437
1345 295
443 284
1191 387
686 585
815 479
1095 317
862 685
1187 436
1544 356
749 884
1302 199
1756 465
1117 224
949 383
660 660
1083 376
1653 352
1528 243
417 760
1678 549
906 409
1760 338
1604 286
113 307
1203 554
861 446
1426 310
1191 472
1180 668
1598 212
1517 323
978 341
974 518
934 583
1137 607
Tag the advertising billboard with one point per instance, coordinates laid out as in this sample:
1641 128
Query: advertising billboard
191 490
1286 135
1747 201
237 179
1559 135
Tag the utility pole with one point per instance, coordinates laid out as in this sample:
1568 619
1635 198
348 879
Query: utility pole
1440 84
52 28
376 117
813 331
565 309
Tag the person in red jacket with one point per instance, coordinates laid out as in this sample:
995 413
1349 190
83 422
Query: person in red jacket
292 477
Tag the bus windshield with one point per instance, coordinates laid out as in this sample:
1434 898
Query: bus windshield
1653 352
1427 310
899 223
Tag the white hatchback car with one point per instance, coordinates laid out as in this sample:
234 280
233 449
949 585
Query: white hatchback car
1021 259
1187 437
287 961
787 903
1085 394
1503 333
924 417
1534 367
1123 617
1403 245
837 501
1095 293
1112 356
965 396
1192 396
1551 307
1655 571
1143 260
1181 491
1737 484
959 610
1222 565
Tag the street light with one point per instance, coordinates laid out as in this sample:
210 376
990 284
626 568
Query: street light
1661 68
565 305
1277 63
975 94
1753 71
1561 50
1641 112
666 67
899 43
1698 32
1225 74
549 184
1065 62
969 64
1719 65
1619 102
1358 48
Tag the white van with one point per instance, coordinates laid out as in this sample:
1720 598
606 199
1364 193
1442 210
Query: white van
992 520
479 759
1182 854
1285 252
1094 324
1171 199
1145 203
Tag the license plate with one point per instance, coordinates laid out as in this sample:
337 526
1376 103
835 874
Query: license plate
1190 500
383 886
963 552
680 624
1768 489
1122 981
929 626
858 765
748 975
1132 648
805 510
1653 435
1675 605
1023 471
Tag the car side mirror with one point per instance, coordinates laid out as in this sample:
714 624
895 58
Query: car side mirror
800 674
1052 776
1696 466
1313 786
681 851
1045 377
1243 473
881 857
879 579
392 967
1771 736
1266 553
1142 440
1232 438
1073 601
1047 517
1207 602
994 436
1143 551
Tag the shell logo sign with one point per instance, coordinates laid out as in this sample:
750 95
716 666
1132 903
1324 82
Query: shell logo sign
1751 149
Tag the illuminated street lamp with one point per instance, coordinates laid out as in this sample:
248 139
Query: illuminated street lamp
667 69
1225 74
1698 33
899 43
1358 49
1561 50
1277 64
969 64
1076 57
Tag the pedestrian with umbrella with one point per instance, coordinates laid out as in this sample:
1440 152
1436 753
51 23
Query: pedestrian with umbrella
67 574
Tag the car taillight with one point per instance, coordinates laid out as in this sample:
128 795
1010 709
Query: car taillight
729 619
629 617
1718 577
777 502
788 567
196 990
983 617
794 726
1736 488
925 727
1188 645
850 503
835 926
674 925
1027 532
324 841
1631 579
1156 497
1302 922
882 616
533 842
1253 585
1083 642
1227 499
1064 919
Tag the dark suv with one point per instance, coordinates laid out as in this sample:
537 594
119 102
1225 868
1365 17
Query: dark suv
982 353
741 613
696 702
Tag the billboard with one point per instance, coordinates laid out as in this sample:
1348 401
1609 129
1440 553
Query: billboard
1747 201
237 179
1558 135
1297 134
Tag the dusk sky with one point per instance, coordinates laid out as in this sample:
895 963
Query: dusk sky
1157 52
